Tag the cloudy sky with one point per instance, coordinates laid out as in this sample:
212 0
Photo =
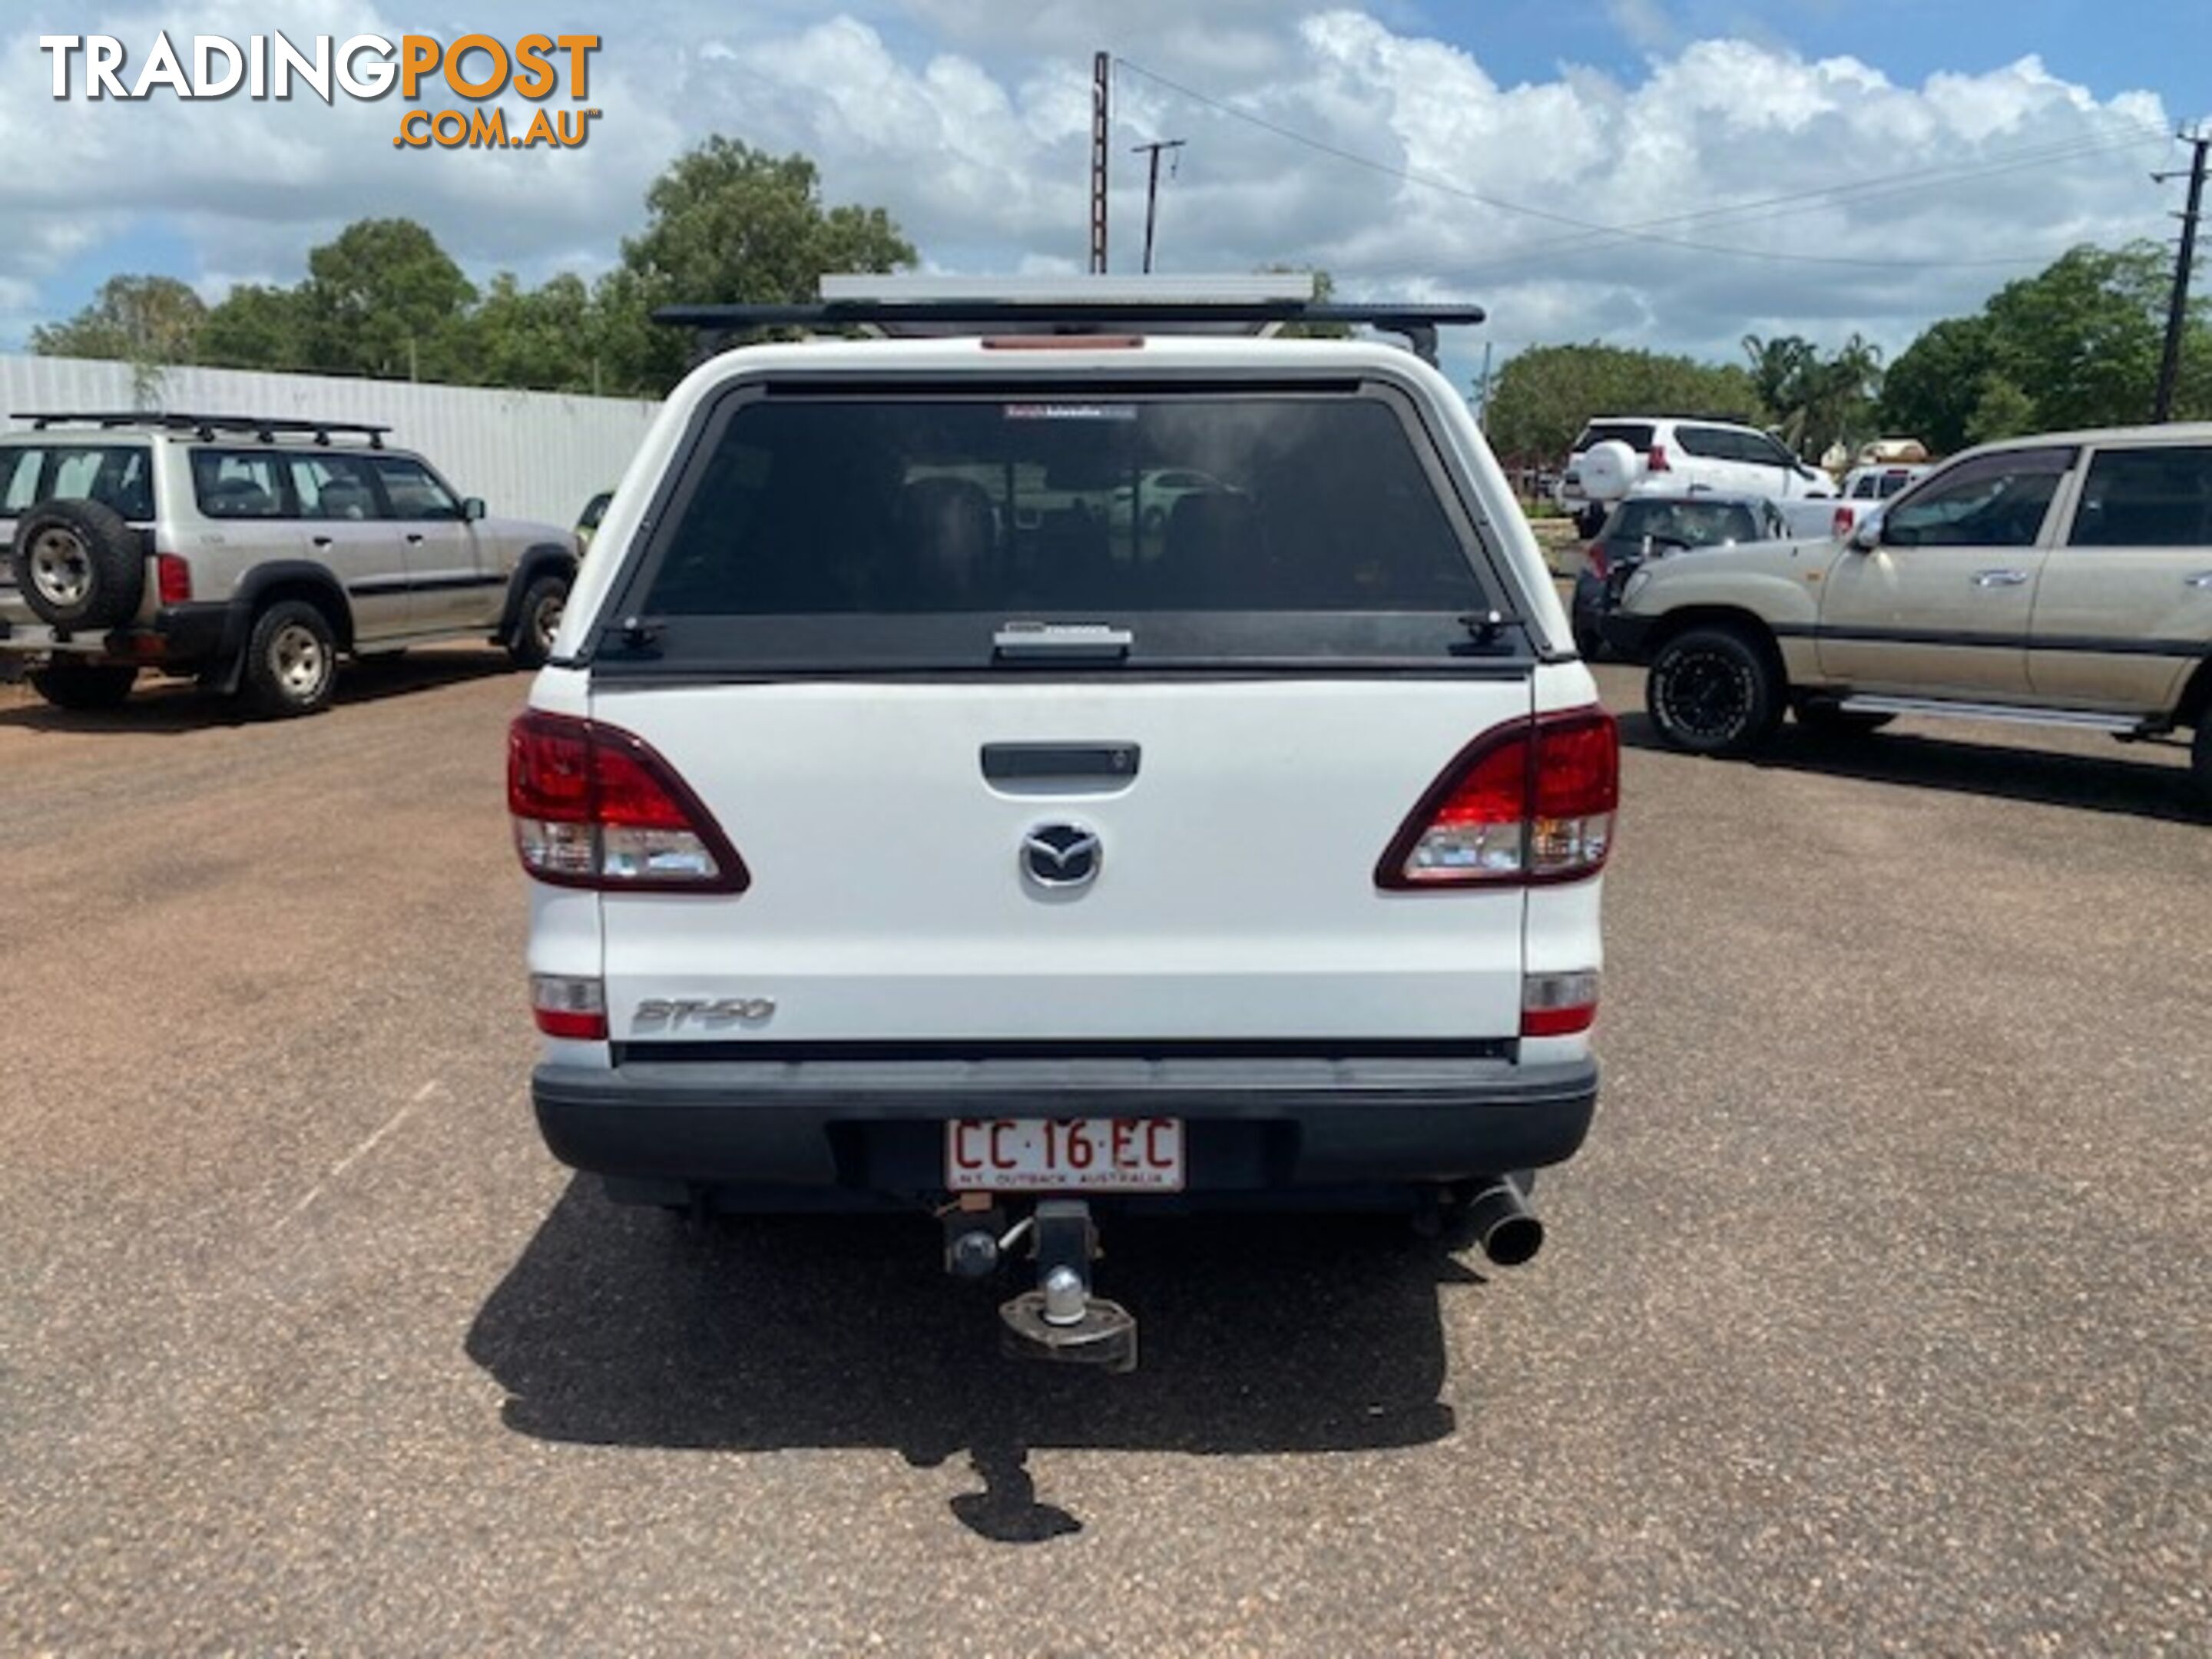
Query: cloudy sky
1673 173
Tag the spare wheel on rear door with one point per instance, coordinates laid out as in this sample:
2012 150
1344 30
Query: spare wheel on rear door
78 564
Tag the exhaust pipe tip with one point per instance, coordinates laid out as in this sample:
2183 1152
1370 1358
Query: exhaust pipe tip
1509 1231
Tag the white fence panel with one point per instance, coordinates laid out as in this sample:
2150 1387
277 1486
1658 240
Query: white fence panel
529 454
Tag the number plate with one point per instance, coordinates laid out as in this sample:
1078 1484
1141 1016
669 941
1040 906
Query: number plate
1080 1154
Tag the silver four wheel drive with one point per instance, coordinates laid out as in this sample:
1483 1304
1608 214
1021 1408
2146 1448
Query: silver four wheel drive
250 553
921 815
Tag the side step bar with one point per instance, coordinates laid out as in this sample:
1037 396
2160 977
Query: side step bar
2012 714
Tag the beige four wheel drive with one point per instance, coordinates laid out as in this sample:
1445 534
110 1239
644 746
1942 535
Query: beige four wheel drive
2064 579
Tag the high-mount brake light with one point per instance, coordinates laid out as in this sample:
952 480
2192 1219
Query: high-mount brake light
1062 341
594 806
1526 804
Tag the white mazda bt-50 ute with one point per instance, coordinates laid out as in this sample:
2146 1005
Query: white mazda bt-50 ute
915 819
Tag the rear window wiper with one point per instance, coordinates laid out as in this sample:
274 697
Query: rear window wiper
1042 641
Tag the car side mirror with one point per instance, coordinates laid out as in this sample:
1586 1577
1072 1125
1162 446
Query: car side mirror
1865 538
472 508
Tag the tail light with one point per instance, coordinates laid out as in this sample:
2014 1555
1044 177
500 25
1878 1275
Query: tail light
1840 526
172 578
1594 556
1526 804
565 1006
1558 1005
594 806
1658 459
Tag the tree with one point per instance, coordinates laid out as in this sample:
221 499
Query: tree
2002 409
2083 337
1931 390
258 327
1817 402
1542 396
384 298
545 339
733 225
141 319
2077 345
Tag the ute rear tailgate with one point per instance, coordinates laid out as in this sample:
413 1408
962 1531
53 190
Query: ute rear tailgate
1234 897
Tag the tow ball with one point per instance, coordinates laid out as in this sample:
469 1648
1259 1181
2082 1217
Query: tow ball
1059 1320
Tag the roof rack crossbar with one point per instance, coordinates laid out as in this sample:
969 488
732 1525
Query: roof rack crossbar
265 427
1417 323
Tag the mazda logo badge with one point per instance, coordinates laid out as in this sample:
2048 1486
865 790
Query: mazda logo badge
1062 855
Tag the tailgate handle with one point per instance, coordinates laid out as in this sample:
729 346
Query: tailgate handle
1028 763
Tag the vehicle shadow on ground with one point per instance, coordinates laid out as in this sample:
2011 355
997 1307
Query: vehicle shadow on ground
175 707
2124 784
624 1327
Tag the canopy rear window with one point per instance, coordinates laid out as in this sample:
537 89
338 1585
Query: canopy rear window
957 514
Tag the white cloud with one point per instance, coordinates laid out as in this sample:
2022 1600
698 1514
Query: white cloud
1645 23
970 124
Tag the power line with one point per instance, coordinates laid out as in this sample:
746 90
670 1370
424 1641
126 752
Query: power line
1589 229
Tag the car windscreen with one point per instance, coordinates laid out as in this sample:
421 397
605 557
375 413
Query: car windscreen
118 476
881 528
1691 522
1636 434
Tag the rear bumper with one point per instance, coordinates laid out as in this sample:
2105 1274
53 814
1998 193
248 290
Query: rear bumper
1253 1126
183 635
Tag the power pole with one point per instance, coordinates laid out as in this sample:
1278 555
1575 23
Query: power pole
2177 316
1102 84
1482 397
1152 190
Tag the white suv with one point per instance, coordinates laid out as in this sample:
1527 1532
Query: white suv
910 825
248 552
1679 453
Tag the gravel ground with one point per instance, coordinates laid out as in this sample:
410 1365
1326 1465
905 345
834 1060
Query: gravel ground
1875 1317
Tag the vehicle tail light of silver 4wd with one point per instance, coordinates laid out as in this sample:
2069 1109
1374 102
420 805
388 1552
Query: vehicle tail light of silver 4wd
1525 804
594 806
172 578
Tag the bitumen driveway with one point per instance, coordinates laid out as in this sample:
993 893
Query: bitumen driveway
1876 1316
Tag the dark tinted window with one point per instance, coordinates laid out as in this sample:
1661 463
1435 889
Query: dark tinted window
1996 500
1636 435
1709 442
1691 524
846 506
2157 497
240 483
117 475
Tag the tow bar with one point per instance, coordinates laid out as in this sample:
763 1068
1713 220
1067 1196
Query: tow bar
1059 1320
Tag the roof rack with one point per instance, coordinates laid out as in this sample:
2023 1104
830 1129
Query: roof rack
265 427
1073 306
